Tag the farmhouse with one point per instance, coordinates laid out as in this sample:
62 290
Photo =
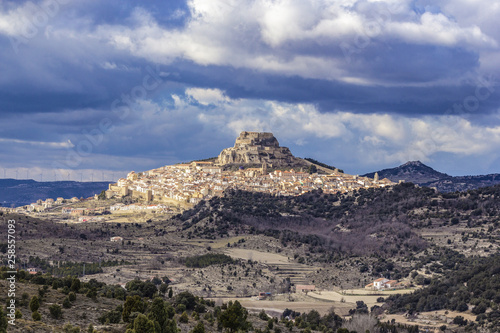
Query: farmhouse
304 288
383 283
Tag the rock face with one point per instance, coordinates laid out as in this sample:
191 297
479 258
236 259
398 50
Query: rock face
257 148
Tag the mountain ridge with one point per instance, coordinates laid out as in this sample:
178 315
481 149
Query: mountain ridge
22 192
423 175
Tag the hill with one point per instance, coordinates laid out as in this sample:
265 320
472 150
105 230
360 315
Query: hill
423 175
23 192
334 241
383 221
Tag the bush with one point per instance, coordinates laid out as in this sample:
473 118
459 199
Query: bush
184 317
68 328
36 316
199 328
460 321
55 311
480 308
66 303
187 299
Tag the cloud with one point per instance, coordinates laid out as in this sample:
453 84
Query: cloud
66 144
270 36
357 83
370 139
207 96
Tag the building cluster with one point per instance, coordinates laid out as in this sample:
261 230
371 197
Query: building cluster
137 207
196 181
40 205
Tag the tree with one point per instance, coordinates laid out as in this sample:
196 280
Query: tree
170 326
132 304
460 321
102 195
34 304
143 325
158 311
480 308
75 285
234 317
3 321
184 317
187 299
55 311
199 328
163 288
66 303
170 293
92 293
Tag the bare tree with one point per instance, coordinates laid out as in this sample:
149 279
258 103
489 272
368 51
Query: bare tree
362 323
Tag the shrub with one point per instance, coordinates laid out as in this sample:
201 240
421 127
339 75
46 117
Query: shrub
36 316
55 311
66 303
184 317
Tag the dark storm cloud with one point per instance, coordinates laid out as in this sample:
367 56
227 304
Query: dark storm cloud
343 75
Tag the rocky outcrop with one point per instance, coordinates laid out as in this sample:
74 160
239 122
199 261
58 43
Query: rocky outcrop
257 148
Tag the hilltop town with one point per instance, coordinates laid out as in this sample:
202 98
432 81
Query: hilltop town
256 163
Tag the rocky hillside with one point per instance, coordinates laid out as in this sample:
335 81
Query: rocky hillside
385 222
423 175
258 148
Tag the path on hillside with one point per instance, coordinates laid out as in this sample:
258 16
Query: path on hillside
328 171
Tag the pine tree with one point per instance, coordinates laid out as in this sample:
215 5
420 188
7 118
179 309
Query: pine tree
234 317
34 304
199 328
143 325
158 311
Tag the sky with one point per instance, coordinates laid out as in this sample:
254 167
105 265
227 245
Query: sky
90 90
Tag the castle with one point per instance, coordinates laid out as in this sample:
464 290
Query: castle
257 148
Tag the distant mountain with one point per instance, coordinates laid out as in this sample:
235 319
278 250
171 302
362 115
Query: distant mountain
423 175
22 192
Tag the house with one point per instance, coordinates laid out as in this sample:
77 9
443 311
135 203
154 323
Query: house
383 283
304 288
32 270
116 239
380 283
78 211
66 210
